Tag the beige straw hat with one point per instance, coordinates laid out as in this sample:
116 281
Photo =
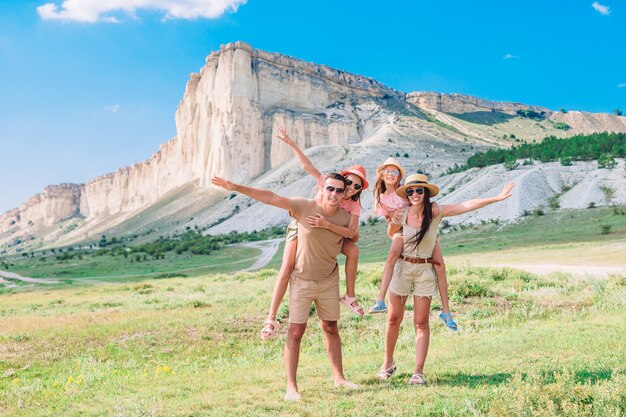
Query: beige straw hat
391 161
417 180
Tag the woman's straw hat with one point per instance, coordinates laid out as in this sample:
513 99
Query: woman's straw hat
391 161
357 170
417 180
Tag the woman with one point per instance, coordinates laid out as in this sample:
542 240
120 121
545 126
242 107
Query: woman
414 273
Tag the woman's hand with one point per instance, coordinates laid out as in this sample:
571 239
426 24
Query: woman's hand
317 221
284 136
225 184
506 191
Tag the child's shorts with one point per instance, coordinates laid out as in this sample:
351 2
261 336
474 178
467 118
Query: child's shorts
419 280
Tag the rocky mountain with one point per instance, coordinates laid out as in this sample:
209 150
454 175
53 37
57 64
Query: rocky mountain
226 125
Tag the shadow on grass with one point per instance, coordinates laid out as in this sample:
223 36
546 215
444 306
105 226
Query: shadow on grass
582 377
471 381
457 379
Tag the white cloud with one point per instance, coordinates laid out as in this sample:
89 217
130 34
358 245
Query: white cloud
91 11
622 85
600 8
510 56
113 109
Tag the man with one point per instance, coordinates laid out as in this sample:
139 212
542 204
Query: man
315 277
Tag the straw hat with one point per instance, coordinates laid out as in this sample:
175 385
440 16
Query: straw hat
417 180
391 161
357 170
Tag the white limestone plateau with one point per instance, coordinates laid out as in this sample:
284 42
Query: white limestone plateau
226 124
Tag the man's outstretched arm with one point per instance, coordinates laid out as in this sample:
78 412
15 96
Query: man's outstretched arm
264 196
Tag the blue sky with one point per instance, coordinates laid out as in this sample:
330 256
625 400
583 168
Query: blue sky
87 89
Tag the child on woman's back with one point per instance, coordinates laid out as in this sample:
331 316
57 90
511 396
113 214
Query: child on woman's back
387 203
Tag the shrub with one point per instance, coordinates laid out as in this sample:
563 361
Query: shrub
605 229
608 192
470 288
554 202
510 163
538 212
591 205
566 161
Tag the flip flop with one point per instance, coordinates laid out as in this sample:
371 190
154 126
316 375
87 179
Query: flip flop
270 327
347 301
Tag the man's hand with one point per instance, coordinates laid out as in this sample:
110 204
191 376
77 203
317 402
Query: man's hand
225 184
317 221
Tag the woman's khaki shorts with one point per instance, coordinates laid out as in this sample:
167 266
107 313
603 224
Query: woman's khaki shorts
419 280
323 292
292 231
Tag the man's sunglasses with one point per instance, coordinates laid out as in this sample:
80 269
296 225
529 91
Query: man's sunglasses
356 186
393 172
330 189
418 191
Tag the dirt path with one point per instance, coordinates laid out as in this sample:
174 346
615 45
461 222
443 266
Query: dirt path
12 275
268 250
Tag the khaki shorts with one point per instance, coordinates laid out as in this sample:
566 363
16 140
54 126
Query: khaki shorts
292 231
323 292
419 280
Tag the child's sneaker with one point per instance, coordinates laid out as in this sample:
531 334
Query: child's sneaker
447 319
377 308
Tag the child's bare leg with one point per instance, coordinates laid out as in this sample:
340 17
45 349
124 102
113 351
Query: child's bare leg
442 280
394 253
352 262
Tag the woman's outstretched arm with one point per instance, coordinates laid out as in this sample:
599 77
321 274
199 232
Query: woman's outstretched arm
471 205
305 162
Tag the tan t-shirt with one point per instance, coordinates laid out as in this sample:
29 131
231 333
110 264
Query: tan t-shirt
316 256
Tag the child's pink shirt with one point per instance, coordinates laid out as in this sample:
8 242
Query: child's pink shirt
391 201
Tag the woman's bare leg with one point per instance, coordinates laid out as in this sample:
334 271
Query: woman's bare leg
280 287
394 320
352 264
421 312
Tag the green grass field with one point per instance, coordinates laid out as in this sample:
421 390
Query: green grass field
132 345
527 346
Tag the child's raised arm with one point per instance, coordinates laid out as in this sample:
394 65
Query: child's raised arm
305 162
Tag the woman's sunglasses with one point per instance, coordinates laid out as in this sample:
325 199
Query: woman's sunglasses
330 189
356 185
418 191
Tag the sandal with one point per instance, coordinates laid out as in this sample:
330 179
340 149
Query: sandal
447 319
385 374
379 307
270 327
349 301
417 379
